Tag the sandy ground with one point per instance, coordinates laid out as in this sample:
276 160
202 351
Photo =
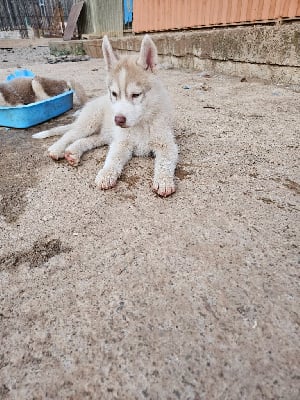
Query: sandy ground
124 295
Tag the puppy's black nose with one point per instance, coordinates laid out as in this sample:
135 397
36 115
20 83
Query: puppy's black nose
120 120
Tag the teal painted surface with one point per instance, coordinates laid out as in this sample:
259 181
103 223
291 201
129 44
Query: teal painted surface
128 8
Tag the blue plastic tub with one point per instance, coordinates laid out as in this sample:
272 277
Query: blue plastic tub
25 116
36 113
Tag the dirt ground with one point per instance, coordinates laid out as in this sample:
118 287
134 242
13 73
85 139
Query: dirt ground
120 294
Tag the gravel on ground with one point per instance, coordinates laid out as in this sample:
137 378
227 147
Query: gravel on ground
120 294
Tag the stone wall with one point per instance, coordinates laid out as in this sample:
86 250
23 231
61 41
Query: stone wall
264 52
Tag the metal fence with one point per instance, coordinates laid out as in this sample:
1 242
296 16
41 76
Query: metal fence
45 17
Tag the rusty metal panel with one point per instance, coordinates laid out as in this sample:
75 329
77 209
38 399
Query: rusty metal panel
160 15
294 8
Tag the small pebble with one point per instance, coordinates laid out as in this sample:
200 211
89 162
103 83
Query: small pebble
204 74
47 218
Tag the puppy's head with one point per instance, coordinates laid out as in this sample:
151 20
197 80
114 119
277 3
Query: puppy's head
130 80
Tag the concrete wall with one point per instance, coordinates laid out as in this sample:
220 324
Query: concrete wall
265 52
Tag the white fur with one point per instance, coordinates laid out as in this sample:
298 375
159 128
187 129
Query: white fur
148 126
39 90
2 100
109 56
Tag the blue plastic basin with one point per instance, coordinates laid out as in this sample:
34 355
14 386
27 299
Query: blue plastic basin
25 116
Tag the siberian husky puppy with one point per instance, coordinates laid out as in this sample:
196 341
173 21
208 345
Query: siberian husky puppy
134 118
22 91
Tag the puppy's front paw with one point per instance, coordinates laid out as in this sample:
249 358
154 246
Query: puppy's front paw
56 152
106 179
164 187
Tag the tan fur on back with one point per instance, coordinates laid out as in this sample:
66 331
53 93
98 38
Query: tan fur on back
52 87
29 90
17 91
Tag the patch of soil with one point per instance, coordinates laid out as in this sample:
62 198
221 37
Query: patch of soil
40 252
21 157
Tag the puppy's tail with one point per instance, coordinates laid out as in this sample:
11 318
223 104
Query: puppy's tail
57 131
79 91
43 134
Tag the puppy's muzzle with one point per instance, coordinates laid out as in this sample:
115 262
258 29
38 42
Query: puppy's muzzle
120 120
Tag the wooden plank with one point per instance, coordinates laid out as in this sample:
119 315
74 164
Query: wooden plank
72 20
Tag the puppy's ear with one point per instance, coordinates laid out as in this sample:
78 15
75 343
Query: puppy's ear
110 57
148 54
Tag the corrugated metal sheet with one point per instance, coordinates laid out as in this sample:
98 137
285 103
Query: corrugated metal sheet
160 15
103 16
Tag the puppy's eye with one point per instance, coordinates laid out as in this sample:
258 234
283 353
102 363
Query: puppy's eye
114 94
135 95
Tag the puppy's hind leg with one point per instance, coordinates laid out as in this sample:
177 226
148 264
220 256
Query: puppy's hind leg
54 151
57 150
81 128
76 149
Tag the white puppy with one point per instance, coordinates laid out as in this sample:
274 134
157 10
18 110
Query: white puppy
134 118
